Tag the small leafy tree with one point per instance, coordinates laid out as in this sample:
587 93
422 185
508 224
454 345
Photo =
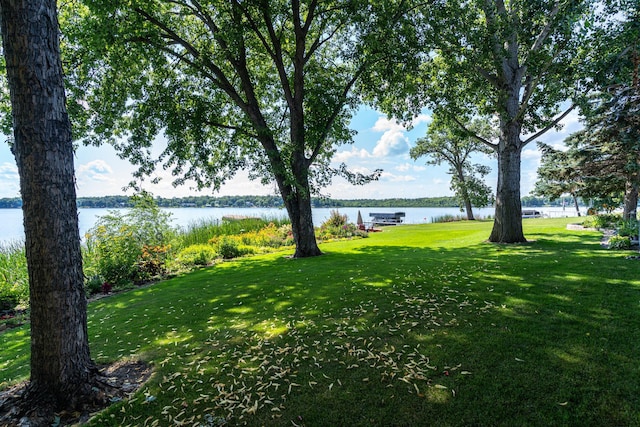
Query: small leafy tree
448 143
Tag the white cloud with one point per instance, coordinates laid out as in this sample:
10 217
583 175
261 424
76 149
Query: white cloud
405 167
528 181
388 176
344 156
9 180
8 170
531 154
384 124
95 170
393 141
422 118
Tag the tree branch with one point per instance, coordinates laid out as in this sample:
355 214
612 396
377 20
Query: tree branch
549 126
336 111
491 78
218 78
546 30
474 135
277 56
229 127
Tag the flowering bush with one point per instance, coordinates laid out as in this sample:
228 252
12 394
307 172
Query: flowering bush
338 227
285 232
262 240
152 262
130 247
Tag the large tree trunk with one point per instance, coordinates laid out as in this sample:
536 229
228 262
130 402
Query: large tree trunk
61 367
296 198
299 208
298 204
507 226
630 201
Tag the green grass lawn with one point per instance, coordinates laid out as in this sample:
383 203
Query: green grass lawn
418 325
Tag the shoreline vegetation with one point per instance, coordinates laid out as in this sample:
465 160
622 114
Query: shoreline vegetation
124 201
128 248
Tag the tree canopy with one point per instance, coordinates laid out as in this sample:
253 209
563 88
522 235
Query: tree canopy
265 86
517 60
604 157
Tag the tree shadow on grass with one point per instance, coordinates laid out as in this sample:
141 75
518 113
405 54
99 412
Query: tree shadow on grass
534 334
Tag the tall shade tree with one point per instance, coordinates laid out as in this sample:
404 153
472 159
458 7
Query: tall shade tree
446 142
61 368
263 85
517 60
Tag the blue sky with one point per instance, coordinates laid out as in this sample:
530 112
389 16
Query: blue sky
379 143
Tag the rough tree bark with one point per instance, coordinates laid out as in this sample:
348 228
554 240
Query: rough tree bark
507 226
61 367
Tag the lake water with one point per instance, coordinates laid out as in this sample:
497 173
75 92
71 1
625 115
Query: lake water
11 227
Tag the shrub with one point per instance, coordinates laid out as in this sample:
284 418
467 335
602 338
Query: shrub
335 220
262 240
269 237
286 234
106 287
602 221
130 247
197 255
619 242
229 247
337 227
628 228
14 277
152 262
93 285
202 231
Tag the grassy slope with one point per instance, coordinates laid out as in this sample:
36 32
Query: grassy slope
418 325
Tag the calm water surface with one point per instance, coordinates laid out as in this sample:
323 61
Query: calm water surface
11 227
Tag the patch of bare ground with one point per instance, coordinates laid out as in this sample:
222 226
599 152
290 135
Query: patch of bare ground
114 383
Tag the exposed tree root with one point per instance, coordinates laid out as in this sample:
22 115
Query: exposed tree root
114 382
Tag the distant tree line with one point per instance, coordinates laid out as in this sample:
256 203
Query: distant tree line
112 202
